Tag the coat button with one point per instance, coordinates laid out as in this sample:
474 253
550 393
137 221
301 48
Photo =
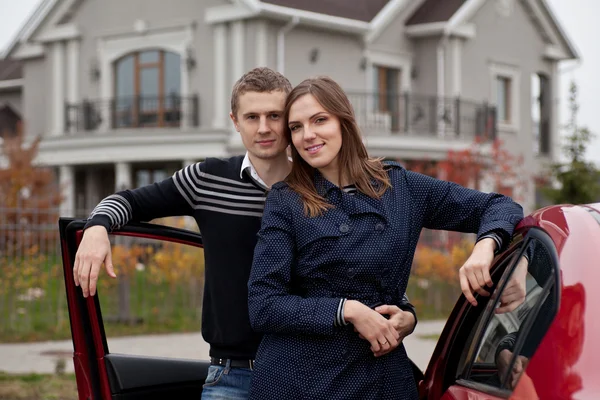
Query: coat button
379 227
351 272
344 228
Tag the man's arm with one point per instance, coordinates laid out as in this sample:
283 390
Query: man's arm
174 196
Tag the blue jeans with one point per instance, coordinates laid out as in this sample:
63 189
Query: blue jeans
226 383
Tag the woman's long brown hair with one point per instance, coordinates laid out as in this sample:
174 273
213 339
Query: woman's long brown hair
366 173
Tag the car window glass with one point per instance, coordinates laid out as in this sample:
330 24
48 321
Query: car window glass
158 289
511 336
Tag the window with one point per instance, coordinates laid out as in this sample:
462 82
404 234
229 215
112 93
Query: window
147 89
504 342
503 93
387 97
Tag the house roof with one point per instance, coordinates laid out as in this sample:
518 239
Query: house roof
361 10
10 69
435 11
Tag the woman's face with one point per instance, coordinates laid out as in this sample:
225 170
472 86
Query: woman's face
316 135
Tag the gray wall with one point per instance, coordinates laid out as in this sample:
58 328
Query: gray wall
36 97
339 57
425 64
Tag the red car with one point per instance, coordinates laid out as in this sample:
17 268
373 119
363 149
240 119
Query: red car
548 347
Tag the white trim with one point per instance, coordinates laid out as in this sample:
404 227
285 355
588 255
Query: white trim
555 53
12 83
58 88
466 30
73 81
457 67
73 71
464 13
237 46
220 78
62 32
66 177
514 74
28 50
281 43
384 17
226 13
315 19
111 49
262 44
561 32
555 104
382 59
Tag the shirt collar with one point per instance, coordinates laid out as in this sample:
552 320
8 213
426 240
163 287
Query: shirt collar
247 164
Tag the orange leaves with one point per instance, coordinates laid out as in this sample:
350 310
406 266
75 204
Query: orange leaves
441 265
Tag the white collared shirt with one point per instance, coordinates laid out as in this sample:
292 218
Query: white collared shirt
247 164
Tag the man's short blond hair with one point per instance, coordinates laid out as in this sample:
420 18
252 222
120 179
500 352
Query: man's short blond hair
260 80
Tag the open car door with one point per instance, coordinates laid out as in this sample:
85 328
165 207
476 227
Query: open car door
104 375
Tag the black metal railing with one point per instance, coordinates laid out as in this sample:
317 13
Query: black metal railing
410 114
132 112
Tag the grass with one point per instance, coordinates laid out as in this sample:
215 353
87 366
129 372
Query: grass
37 387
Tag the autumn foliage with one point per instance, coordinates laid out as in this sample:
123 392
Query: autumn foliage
29 196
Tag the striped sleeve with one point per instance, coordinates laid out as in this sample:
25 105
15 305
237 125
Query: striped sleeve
158 200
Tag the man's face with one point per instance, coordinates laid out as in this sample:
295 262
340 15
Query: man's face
259 121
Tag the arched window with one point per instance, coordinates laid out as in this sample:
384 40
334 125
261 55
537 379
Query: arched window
147 89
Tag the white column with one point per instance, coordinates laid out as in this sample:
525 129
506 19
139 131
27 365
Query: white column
220 77
92 192
555 94
123 176
58 88
456 67
238 66
262 44
73 80
66 178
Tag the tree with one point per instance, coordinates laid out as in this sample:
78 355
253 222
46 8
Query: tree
29 197
578 180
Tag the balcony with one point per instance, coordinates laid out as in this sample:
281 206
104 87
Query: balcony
423 116
132 112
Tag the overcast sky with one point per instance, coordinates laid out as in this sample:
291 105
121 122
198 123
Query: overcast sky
579 18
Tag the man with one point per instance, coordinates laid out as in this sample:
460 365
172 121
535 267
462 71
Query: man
226 198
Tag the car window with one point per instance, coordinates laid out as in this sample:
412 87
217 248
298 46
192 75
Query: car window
158 289
507 339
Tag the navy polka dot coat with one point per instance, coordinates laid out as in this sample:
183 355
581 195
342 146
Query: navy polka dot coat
362 249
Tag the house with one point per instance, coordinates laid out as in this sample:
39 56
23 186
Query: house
125 95
10 96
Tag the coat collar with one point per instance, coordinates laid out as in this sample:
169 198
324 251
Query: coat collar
358 203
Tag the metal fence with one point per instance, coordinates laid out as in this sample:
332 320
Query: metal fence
133 112
159 286
427 116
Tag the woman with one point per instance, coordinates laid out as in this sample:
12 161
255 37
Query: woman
337 240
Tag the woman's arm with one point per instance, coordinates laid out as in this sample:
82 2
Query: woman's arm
272 307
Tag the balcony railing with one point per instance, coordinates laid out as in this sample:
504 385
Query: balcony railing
428 116
132 112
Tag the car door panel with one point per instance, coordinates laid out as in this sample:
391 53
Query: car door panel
102 375
457 392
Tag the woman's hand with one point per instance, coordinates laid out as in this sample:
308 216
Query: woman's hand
475 273
372 326
402 321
